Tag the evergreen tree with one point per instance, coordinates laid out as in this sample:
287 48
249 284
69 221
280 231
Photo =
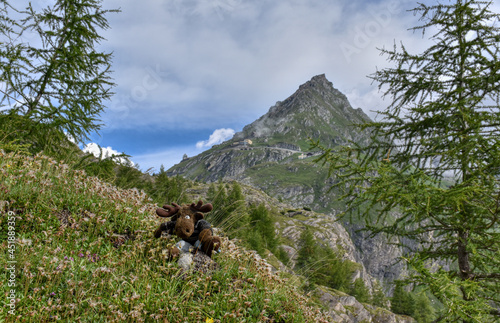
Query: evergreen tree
431 170
360 291
212 192
217 194
333 271
254 240
128 176
282 255
402 302
236 194
167 190
378 296
235 201
308 251
61 80
423 312
321 265
230 212
261 222
398 299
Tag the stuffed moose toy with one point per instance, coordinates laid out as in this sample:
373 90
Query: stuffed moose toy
188 224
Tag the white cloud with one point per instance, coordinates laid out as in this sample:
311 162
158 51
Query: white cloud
107 152
70 138
217 137
370 101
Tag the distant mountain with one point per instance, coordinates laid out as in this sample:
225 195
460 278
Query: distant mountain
315 110
280 138
272 154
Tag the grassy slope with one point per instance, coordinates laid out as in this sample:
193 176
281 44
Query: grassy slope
85 253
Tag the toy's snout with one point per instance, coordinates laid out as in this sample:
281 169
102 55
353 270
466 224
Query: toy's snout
185 233
184 228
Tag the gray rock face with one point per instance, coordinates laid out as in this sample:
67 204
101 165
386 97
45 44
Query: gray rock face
378 255
346 309
298 195
326 231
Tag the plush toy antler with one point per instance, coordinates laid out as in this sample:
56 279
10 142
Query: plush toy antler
170 225
171 210
202 208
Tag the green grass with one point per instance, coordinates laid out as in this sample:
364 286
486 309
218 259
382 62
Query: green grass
85 253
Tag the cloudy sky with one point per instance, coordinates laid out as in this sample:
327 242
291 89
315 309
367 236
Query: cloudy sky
191 73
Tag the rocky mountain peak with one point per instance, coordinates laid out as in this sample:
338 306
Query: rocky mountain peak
317 83
313 90
315 110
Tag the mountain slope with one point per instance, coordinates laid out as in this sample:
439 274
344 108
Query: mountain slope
81 250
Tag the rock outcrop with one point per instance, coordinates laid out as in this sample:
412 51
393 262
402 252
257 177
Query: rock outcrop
346 309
